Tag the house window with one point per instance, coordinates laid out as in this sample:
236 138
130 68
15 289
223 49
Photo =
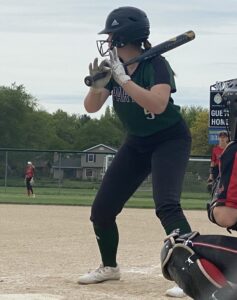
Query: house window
89 172
90 157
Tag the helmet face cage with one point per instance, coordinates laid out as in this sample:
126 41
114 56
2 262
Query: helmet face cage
230 90
103 47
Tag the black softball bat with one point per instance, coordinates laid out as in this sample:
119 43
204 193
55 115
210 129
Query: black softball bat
154 51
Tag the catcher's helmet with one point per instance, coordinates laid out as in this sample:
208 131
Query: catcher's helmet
230 90
230 96
126 24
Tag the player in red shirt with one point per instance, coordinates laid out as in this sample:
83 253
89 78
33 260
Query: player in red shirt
29 177
215 157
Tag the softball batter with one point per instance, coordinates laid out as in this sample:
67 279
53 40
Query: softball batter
158 140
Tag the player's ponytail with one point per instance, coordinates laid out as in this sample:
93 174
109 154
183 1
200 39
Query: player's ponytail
147 45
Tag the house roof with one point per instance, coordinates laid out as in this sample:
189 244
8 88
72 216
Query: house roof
101 145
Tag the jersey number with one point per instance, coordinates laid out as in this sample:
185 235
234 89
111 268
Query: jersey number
149 115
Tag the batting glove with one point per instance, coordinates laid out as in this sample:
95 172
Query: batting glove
118 71
94 69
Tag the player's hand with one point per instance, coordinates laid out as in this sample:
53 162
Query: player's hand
210 182
210 178
95 69
118 71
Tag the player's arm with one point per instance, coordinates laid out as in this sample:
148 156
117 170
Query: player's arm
95 100
154 100
33 173
212 165
97 94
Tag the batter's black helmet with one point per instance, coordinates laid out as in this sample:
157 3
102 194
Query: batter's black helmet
126 24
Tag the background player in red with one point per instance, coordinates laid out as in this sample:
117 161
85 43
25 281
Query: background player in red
29 177
158 140
217 150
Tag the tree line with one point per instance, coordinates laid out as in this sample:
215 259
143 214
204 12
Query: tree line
24 125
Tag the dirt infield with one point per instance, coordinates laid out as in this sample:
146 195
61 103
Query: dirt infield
45 248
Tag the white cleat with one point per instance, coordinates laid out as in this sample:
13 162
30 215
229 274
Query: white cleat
99 275
175 292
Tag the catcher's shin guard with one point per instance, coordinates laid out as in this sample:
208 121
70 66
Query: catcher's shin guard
221 250
225 293
214 201
197 276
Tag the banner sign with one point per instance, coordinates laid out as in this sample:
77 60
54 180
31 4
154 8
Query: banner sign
218 113
213 134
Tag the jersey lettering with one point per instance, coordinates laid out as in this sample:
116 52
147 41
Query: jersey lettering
119 95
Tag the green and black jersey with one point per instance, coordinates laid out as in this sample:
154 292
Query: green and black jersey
137 120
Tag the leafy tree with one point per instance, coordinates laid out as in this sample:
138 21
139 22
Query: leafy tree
41 132
16 106
199 131
111 116
190 114
84 119
98 132
65 127
23 125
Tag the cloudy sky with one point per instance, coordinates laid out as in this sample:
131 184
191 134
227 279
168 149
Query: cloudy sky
46 45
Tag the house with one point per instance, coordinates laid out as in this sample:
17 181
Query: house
90 164
96 160
42 167
66 165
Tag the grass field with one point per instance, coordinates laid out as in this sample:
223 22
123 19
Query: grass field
84 197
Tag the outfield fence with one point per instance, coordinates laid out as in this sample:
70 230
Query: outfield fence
80 169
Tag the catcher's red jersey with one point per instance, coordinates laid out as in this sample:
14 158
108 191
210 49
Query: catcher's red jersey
228 179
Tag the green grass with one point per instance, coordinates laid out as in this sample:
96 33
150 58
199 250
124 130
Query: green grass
84 197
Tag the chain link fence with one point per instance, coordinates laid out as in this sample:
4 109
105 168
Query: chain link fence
80 169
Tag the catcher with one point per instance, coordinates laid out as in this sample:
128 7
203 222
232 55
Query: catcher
205 266
222 209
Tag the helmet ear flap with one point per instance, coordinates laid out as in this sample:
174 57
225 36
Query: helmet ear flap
118 41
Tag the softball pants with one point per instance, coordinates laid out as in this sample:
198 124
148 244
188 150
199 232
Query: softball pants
165 155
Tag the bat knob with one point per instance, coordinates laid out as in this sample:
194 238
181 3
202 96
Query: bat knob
88 80
191 34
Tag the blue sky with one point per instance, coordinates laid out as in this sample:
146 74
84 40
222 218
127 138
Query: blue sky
46 45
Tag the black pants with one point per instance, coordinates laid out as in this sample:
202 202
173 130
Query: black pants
29 185
165 155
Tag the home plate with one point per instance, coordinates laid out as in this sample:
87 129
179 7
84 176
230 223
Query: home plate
29 297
